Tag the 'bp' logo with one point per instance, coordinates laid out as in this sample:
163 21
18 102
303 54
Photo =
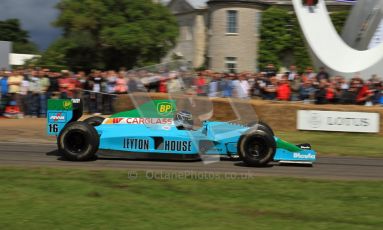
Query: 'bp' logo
164 108
67 104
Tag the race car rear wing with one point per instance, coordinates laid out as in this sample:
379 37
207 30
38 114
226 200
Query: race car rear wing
60 112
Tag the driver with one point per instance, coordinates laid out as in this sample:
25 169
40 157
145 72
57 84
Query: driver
184 120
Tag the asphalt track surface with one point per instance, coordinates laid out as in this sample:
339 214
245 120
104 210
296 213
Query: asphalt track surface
44 155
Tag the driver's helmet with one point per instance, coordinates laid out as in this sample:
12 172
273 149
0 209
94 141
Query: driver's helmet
183 120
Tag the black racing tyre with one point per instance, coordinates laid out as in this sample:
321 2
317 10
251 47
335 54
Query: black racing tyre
256 147
94 121
78 141
266 127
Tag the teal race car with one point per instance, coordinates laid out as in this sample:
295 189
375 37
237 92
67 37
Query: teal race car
156 130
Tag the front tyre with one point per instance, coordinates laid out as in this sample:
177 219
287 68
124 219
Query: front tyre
78 141
256 147
264 125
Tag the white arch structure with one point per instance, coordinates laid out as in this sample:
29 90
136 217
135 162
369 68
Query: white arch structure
330 48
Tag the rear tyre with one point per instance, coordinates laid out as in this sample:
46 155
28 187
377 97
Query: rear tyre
94 121
266 127
256 147
78 141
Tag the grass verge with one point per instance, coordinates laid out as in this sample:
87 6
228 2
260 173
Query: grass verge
79 199
340 144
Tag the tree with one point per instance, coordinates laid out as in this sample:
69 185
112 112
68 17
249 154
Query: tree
108 34
281 35
275 36
10 30
338 19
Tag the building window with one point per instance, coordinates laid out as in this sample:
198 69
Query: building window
232 22
186 34
258 21
231 64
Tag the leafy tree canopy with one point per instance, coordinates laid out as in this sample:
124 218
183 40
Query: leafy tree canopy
282 38
10 30
338 19
111 34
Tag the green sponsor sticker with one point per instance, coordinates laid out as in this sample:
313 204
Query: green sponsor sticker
60 104
165 108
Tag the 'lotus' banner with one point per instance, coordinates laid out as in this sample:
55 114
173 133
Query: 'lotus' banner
338 121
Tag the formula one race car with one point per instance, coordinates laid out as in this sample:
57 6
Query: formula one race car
155 130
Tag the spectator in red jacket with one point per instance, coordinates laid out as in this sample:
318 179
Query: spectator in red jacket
364 93
200 83
163 85
283 89
330 92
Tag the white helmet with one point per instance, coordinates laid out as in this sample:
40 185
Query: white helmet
183 120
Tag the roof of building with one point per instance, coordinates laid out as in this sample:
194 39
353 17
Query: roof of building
198 4
195 4
203 4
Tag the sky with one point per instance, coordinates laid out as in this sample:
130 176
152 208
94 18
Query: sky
36 17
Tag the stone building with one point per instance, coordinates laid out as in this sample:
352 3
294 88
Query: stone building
223 35
192 20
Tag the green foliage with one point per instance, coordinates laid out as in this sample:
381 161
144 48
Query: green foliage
338 19
112 33
10 30
55 54
281 35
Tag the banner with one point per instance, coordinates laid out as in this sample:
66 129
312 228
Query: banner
338 121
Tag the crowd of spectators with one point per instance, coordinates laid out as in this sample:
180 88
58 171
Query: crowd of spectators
26 91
